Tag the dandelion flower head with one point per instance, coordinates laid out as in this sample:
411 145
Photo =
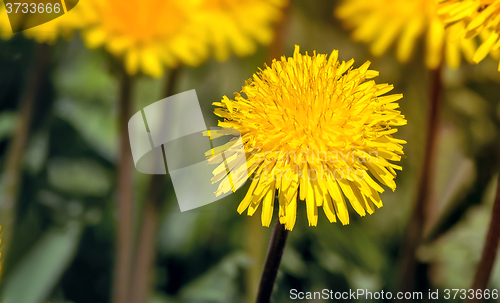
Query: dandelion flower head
49 32
5 29
237 25
381 23
148 34
482 17
314 129
63 26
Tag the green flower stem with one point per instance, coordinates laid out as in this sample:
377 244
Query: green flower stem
11 178
273 260
124 250
146 248
490 249
414 235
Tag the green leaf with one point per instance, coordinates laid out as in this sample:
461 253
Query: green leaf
8 122
96 124
161 298
292 262
33 279
87 99
454 256
80 177
36 152
219 284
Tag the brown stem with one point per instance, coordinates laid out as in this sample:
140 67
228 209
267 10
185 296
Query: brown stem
273 260
125 197
490 249
145 255
11 179
416 226
144 259
281 31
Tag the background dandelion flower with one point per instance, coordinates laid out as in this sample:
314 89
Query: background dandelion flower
147 34
5 29
382 22
311 127
49 32
238 25
61 27
482 18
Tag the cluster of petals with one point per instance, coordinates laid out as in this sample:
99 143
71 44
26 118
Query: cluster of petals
382 23
482 18
153 34
150 35
316 130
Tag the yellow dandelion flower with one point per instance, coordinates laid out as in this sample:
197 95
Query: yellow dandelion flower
482 17
313 129
63 26
147 34
5 29
238 25
383 22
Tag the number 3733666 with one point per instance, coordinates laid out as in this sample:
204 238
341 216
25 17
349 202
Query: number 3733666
24 14
471 294
33 7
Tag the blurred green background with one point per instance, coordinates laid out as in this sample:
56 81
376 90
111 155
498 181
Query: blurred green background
65 230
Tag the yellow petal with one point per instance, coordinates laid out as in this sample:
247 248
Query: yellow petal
132 62
268 207
485 48
328 208
435 40
409 37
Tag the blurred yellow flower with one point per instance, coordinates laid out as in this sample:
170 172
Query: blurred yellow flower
63 26
150 35
313 129
48 32
382 22
238 24
482 17
5 29
147 34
